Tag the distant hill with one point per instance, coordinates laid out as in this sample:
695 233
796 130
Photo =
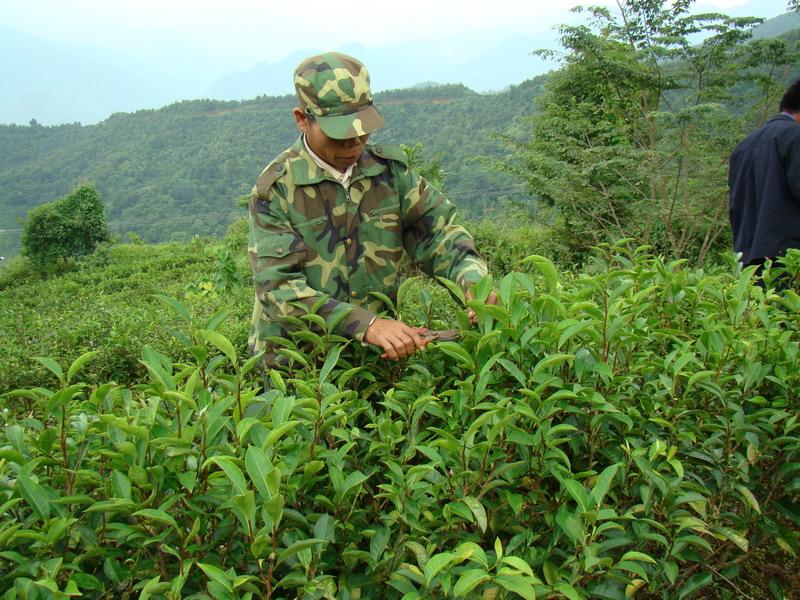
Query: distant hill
403 66
56 83
777 26
172 173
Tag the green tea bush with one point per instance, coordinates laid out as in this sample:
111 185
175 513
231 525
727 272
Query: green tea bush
107 303
16 271
630 431
505 241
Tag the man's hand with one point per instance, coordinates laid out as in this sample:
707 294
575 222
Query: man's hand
490 299
395 338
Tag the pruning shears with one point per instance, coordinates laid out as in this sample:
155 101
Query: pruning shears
441 335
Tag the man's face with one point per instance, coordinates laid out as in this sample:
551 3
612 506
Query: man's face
337 153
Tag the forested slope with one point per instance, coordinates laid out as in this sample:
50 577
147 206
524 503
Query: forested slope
172 173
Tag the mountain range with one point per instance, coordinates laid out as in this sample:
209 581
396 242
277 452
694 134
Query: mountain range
54 83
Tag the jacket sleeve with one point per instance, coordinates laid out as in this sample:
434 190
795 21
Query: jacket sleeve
431 236
277 256
791 162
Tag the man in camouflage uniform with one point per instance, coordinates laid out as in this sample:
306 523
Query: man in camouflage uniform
331 216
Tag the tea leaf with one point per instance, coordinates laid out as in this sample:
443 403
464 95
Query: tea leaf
670 570
695 583
633 555
602 484
35 495
569 591
217 319
545 267
230 469
258 467
455 351
518 564
468 551
179 309
385 300
330 363
217 575
244 506
222 343
435 564
51 366
730 534
78 364
578 493
152 514
121 485
514 371
276 434
297 547
469 580
748 497
455 290
477 509
516 584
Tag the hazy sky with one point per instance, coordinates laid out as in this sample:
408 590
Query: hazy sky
242 32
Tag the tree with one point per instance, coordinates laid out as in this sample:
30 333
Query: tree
432 170
70 227
635 129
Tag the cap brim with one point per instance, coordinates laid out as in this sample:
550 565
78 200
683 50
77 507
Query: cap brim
343 127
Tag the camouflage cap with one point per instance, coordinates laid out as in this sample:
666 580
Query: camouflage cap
334 89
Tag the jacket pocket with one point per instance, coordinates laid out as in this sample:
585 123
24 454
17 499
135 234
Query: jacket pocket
385 218
279 245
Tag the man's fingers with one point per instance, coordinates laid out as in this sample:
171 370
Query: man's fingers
408 343
394 348
395 338
405 343
416 338
398 349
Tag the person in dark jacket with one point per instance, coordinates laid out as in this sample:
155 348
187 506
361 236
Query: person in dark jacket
764 186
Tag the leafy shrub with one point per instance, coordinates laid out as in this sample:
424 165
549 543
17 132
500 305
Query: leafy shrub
67 228
505 241
16 271
108 304
631 430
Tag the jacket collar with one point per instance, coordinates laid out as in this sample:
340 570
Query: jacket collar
782 117
305 170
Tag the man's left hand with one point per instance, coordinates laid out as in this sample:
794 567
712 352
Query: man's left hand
490 299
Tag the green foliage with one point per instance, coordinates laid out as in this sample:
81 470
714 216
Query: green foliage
108 304
176 172
67 228
431 170
631 429
512 234
636 127
16 271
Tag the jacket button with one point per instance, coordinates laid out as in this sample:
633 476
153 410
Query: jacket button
354 294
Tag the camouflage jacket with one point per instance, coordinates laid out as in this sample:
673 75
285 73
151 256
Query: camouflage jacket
311 240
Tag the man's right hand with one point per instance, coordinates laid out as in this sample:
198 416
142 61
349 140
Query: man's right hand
395 338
